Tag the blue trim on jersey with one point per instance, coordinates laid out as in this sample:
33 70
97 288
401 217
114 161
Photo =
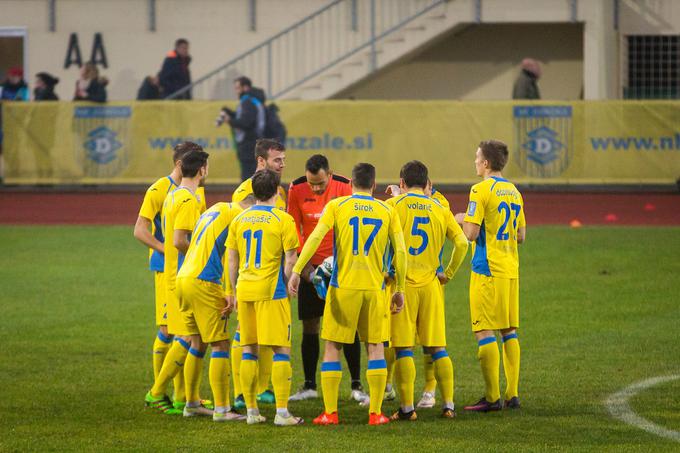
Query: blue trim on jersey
377 364
163 338
441 266
334 275
386 344
270 209
281 292
439 355
180 260
196 353
281 358
248 356
331 366
498 179
237 336
404 353
172 182
213 270
363 197
480 263
487 340
184 344
219 355
510 336
157 260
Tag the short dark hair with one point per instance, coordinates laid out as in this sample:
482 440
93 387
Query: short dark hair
363 176
182 148
263 145
181 41
414 174
315 163
496 152
265 184
193 161
244 81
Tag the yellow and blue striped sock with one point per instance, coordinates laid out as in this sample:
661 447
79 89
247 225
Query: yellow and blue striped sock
219 379
193 369
172 366
511 360
443 370
161 346
282 373
405 374
376 375
489 359
331 374
236 352
249 380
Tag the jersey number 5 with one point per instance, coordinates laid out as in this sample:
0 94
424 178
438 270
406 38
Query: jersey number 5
416 230
354 222
504 208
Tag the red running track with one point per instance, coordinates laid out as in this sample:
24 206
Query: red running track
120 208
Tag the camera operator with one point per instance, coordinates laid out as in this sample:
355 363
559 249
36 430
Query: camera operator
248 122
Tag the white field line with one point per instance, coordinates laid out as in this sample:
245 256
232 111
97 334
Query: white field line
618 406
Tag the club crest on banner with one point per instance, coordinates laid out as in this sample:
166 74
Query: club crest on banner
543 139
101 139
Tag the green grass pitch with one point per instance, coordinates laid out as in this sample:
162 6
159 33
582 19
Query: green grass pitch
599 308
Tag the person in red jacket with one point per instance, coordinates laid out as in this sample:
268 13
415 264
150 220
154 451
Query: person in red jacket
307 198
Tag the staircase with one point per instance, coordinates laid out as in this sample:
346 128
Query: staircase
335 47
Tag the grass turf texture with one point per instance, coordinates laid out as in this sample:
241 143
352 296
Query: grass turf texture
598 306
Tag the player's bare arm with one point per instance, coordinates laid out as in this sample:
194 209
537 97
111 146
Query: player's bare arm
142 233
521 235
181 240
233 259
471 231
290 260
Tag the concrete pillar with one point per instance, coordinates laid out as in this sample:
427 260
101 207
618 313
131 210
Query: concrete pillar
601 72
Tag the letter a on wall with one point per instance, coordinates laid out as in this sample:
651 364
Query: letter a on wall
73 52
98 56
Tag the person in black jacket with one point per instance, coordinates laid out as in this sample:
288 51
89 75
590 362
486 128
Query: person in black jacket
175 73
90 87
44 87
248 122
150 89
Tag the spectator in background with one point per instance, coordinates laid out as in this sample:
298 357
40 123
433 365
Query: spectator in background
150 89
175 73
90 87
525 85
14 87
44 87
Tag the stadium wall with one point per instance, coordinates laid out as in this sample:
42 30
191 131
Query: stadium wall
552 143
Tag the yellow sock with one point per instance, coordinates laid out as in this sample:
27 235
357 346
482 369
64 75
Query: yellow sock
443 370
428 370
249 379
390 359
236 363
179 393
172 366
376 375
193 368
219 378
281 376
489 359
405 372
331 374
264 369
161 346
511 364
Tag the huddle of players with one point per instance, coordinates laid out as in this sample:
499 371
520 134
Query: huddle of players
384 252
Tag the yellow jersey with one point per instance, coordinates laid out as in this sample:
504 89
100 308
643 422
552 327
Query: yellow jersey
181 210
205 257
246 188
262 235
151 210
436 195
426 225
497 207
362 227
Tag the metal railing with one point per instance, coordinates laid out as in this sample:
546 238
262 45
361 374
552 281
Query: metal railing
309 47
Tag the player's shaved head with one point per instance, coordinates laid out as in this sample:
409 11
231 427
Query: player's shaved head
265 184
414 174
363 176
193 161
495 152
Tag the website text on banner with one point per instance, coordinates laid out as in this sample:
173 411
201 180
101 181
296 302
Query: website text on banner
618 142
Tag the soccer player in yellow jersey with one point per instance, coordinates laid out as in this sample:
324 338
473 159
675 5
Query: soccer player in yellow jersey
205 309
495 222
181 210
426 225
355 301
148 231
262 244
270 155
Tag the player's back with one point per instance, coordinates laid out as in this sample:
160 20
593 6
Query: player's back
424 223
262 235
181 209
502 214
205 257
361 234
